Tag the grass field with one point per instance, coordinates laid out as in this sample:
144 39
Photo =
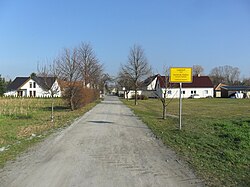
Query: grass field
214 140
24 121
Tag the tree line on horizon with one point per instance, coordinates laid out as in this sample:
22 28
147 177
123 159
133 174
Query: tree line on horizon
223 74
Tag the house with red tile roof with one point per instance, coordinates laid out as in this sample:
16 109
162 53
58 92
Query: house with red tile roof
201 87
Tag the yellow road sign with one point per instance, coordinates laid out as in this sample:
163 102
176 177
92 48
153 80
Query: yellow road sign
181 75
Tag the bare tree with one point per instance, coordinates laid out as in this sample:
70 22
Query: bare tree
47 74
232 74
163 98
136 68
48 79
246 81
225 74
68 70
80 75
105 80
91 69
124 81
216 75
198 70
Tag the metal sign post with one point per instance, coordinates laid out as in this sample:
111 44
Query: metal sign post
180 106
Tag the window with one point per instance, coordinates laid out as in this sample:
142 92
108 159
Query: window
206 91
169 92
34 85
20 93
30 84
193 92
34 93
183 92
30 93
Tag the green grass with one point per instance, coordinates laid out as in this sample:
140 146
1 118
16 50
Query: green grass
214 140
25 121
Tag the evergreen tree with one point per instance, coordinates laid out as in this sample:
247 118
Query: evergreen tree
3 85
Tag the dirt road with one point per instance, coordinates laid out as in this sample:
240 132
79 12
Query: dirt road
107 147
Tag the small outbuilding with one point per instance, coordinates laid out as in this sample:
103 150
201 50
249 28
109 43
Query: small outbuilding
235 91
217 90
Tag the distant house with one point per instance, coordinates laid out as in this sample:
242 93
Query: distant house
235 91
217 90
146 87
131 93
34 87
201 87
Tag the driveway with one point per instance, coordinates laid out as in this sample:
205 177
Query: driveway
106 147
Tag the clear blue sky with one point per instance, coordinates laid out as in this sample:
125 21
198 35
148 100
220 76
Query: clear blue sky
210 33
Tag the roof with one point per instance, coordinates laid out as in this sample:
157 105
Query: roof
218 87
236 88
44 82
148 81
198 82
18 81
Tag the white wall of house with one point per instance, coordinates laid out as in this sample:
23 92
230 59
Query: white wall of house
186 92
10 93
149 93
31 89
56 89
131 93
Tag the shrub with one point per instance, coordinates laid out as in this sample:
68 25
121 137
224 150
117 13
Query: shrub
77 97
143 97
140 97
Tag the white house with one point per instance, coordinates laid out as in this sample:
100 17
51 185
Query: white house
34 87
201 87
146 88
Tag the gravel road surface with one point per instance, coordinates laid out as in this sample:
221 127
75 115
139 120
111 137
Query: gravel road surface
107 147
